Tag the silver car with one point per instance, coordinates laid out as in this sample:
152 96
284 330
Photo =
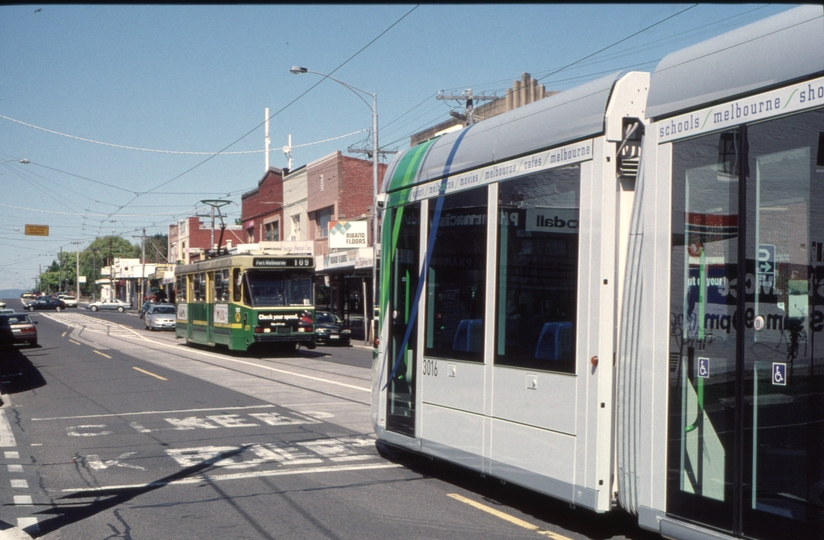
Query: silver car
160 316
109 305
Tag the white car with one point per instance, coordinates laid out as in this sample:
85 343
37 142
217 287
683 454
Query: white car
69 300
109 305
160 316
2 304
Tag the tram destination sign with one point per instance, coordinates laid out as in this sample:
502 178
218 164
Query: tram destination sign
283 262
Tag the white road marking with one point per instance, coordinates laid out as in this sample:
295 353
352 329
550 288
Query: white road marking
236 476
28 524
74 431
6 435
19 483
22 500
143 413
97 464
15 468
12 454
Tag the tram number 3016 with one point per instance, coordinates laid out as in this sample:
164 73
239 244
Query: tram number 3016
430 367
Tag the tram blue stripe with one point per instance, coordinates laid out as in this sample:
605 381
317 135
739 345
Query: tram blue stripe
430 245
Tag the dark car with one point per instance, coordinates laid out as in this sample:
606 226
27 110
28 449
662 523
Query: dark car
144 308
44 303
17 328
330 329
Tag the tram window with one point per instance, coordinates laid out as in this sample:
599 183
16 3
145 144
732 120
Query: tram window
222 285
537 270
180 289
455 277
199 287
236 284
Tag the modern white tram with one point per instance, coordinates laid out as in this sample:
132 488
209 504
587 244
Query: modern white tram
612 295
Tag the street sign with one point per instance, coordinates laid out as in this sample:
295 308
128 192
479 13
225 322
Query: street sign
704 368
37 230
766 264
779 373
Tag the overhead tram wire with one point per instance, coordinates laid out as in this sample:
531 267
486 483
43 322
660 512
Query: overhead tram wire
203 162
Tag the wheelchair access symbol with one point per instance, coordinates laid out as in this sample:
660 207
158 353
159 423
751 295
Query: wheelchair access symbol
779 373
703 368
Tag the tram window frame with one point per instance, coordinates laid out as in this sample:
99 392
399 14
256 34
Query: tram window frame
180 287
237 278
199 287
454 317
221 285
536 287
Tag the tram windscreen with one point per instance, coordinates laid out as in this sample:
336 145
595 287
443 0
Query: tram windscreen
277 288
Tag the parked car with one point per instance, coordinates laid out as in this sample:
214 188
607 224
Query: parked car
2 304
17 328
69 300
329 329
109 305
144 308
160 316
45 303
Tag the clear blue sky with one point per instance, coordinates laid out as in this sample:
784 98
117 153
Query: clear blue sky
87 90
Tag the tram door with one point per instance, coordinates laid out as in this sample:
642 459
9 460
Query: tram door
746 445
404 271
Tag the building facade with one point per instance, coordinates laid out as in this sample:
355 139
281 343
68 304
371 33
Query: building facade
327 204
189 238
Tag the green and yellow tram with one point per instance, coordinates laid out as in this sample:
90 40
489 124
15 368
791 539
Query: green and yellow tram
241 300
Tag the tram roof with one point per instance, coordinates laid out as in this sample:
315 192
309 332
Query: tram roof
779 49
571 115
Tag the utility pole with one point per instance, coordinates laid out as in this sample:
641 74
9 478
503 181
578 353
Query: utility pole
143 270
60 271
112 291
94 275
469 105
77 275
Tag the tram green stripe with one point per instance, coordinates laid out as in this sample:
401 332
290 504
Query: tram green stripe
409 165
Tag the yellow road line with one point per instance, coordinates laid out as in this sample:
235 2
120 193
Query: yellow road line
75 342
150 373
507 517
101 354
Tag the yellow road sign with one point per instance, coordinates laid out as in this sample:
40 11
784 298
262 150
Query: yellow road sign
37 230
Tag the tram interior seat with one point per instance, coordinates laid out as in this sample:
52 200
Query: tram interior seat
469 336
555 341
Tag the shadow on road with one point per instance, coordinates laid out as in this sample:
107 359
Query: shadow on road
17 373
71 509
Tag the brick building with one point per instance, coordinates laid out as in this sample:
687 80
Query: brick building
339 194
300 205
262 209
190 237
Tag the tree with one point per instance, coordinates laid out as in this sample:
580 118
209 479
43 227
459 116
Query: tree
101 252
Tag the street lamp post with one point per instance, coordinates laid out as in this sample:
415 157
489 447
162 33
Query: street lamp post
374 108
94 275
